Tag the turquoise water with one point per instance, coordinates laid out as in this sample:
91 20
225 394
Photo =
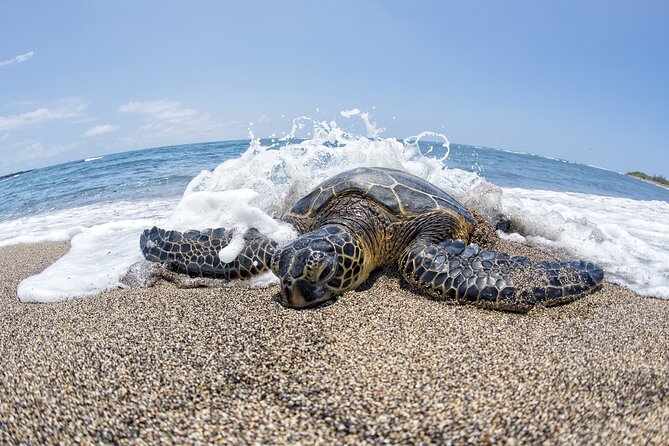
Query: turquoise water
164 173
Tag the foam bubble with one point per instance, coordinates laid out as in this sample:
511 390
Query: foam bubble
230 252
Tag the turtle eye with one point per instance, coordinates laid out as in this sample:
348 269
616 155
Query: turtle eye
325 273
321 245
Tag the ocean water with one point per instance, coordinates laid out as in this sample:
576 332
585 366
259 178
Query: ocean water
103 203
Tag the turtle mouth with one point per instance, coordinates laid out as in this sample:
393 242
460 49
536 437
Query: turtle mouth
300 293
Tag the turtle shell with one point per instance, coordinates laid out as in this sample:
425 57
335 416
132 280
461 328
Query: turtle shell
400 192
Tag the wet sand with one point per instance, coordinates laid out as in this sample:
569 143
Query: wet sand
384 364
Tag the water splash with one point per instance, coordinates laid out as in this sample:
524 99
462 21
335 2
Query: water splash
281 174
627 237
250 191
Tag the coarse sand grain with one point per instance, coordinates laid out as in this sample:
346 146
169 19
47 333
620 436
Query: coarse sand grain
383 365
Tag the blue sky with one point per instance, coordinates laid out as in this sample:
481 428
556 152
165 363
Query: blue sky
583 81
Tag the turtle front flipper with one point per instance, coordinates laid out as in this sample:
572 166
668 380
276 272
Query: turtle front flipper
196 253
451 270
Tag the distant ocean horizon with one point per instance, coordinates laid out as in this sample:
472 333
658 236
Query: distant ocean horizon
620 222
61 193
245 142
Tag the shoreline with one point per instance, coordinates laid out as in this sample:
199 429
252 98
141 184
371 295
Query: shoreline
231 365
649 181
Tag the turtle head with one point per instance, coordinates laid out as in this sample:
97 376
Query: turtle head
306 269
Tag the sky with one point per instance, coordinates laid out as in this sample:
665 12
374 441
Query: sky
585 81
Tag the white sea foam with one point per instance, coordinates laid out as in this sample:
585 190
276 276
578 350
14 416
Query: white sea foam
227 209
104 243
64 224
627 237
98 257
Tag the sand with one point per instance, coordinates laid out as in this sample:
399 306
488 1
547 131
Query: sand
383 365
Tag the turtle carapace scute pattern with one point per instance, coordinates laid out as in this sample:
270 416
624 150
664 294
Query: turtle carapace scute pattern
367 218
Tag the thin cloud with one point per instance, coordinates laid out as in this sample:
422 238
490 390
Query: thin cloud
101 129
34 149
64 109
164 117
32 153
17 59
160 109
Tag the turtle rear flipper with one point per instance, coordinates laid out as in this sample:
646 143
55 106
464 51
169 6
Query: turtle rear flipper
196 253
489 279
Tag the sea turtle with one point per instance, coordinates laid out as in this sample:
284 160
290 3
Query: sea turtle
365 218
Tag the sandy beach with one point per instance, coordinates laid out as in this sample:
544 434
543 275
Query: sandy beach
379 365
